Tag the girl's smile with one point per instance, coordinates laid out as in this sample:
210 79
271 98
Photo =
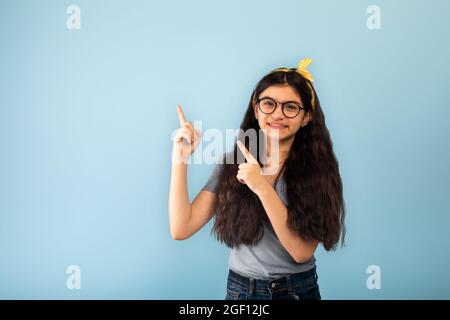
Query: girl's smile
277 126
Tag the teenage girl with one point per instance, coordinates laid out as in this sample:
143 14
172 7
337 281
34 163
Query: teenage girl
273 222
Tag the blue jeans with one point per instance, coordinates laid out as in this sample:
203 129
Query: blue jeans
296 286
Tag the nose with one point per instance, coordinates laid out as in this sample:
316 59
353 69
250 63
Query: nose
278 113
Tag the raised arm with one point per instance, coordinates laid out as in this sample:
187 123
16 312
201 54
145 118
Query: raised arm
185 218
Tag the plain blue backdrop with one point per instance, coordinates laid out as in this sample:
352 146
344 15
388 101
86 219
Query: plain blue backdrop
86 118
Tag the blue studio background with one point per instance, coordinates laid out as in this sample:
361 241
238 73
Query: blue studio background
86 117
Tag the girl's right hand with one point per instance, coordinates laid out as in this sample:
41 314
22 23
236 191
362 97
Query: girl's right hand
186 138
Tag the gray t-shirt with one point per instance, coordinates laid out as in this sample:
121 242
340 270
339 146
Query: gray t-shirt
268 259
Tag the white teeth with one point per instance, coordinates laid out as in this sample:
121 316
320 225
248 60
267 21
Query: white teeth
277 125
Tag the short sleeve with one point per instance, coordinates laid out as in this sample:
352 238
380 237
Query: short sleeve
213 180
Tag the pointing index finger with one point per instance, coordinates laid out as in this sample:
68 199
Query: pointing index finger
181 116
248 156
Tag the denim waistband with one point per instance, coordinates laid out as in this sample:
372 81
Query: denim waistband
282 284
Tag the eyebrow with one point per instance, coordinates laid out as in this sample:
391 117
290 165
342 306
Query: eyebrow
281 101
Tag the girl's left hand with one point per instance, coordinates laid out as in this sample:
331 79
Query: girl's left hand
249 173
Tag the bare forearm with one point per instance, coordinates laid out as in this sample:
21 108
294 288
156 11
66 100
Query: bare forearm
297 247
179 205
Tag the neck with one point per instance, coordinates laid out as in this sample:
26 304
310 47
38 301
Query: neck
284 146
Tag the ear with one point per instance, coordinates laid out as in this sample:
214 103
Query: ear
307 118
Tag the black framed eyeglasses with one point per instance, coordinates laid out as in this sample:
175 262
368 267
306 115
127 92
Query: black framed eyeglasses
268 105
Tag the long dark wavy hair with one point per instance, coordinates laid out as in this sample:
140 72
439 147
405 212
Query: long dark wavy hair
316 208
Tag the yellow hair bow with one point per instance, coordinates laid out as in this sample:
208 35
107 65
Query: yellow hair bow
301 69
